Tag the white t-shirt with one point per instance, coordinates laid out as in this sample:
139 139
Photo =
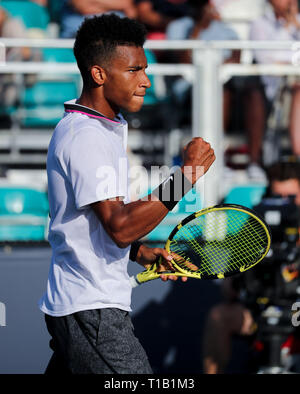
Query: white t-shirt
86 163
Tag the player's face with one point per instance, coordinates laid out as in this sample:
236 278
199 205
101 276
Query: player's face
126 79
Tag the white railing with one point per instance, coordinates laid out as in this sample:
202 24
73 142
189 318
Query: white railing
206 73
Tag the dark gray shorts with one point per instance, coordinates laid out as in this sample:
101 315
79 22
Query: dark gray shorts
99 341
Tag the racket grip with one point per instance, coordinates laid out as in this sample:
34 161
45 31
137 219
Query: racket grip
134 283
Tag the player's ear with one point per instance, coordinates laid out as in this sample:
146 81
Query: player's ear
98 74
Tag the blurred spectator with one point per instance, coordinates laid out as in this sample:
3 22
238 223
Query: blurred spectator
231 317
157 14
225 320
244 9
281 21
239 14
205 24
11 28
74 12
43 3
219 4
284 180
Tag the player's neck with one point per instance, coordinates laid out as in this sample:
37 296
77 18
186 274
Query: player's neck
94 101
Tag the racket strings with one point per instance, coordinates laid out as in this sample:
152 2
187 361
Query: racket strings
190 242
250 232
254 231
196 239
219 242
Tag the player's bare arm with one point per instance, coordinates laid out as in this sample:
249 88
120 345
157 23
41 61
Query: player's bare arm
125 223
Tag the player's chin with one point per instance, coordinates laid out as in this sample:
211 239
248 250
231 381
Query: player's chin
136 105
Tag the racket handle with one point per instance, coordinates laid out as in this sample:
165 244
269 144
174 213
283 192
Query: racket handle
134 283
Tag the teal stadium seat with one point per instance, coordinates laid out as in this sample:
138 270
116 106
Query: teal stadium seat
60 55
42 104
247 195
32 14
23 214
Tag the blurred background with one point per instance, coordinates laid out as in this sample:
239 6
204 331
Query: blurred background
225 70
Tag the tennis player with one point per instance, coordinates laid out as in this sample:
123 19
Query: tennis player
94 228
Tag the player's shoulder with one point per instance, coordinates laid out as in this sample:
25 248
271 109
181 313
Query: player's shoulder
76 126
75 130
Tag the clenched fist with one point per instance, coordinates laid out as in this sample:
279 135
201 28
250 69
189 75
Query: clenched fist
198 156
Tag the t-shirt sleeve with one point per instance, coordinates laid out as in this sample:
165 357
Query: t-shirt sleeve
96 169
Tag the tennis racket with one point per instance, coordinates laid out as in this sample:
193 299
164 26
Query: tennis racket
214 243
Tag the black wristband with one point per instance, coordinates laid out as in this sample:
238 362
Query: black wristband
171 191
134 250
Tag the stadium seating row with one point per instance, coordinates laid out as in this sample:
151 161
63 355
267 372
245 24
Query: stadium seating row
41 104
24 211
32 14
23 214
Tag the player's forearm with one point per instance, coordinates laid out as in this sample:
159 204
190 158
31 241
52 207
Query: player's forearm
135 220
127 223
130 222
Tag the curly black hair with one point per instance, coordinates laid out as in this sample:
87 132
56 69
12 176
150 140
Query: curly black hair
98 37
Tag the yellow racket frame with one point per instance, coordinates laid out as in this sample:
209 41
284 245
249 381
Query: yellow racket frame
152 273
